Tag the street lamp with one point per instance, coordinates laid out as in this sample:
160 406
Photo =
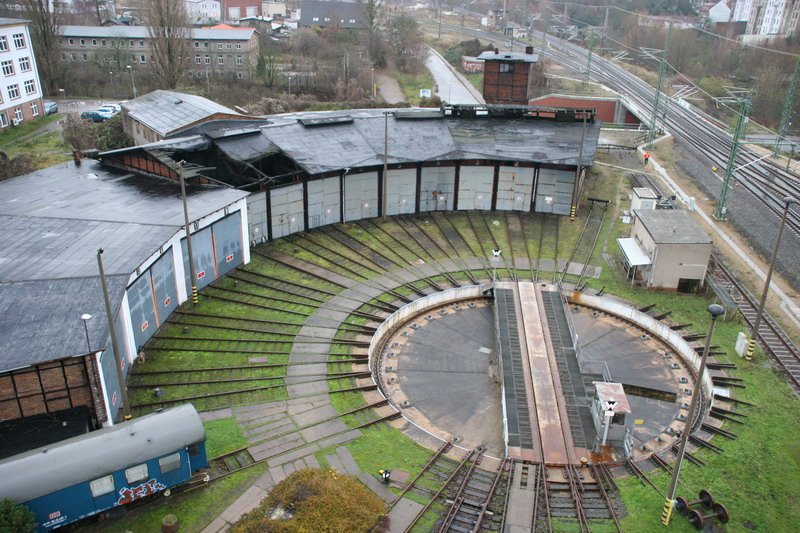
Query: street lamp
133 83
715 310
63 95
86 317
751 344
290 86
111 75
372 84
495 258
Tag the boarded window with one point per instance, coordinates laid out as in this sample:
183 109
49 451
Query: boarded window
136 473
102 485
169 463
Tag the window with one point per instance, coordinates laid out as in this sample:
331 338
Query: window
94 42
103 42
141 43
228 46
240 75
83 42
506 67
169 463
238 46
136 473
208 59
3 120
251 11
19 40
103 485
352 21
85 57
196 44
130 43
315 19
8 67
219 46
220 60
13 91
74 57
3 44
18 116
327 19
34 108
233 13
142 59
239 60
71 41
25 64
30 87
191 74
205 44
197 59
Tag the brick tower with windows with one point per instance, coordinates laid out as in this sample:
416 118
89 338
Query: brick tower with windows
507 76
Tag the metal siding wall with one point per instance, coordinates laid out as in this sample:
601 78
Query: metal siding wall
143 315
166 290
402 185
287 210
554 194
514 188
257 216
436 191
475 188
228 242
110 379
203 248
323 202
361 196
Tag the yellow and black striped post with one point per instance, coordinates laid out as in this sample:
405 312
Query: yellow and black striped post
195 297
666 513
751 348
572 212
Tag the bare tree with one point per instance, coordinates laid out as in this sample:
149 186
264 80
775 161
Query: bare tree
99 10
168 26
44 27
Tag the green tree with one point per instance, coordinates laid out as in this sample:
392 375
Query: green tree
15 518
109 135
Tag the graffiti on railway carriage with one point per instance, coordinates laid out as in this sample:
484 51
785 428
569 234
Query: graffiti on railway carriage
129 494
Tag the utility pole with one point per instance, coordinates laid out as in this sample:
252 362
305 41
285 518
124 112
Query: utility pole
385 162
126 408
589 60
544 34
651 133
727 183
192 273
605 30
576 189
787 109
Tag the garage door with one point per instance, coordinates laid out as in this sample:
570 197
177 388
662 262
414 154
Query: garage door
143 312
228 242
203 248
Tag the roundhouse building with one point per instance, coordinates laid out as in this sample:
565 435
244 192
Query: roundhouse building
55 220
310 169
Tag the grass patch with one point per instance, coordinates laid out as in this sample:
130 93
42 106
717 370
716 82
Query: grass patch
412 83
11 136
223 436
48 149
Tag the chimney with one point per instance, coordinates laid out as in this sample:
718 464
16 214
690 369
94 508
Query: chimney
529 49
495 50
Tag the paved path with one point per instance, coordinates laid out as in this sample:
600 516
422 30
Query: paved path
388 89
453 87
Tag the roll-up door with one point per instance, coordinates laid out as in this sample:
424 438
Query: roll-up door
203 248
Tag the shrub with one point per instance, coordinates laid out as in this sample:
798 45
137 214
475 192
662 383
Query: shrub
15 518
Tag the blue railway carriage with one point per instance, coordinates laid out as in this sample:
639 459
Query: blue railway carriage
85 475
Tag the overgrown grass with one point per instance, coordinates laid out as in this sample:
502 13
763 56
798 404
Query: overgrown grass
412 83
223 436
47 149
11 135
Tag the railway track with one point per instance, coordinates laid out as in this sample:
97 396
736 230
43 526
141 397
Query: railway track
587 240
773 339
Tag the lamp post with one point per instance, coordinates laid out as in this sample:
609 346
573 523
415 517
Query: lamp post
63 95
111 76
372 84
715 310
449 92
751 344
495 258
133 82
290 86
86 317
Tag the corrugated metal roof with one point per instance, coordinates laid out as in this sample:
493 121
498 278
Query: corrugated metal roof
51 468
141 32
168 111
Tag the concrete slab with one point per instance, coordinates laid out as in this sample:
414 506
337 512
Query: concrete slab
304 371
317 387
276 473
347 461
216 414
377 487
335 463
265 481
288 469
293 455
299 465
402 514
216 526
340 439
325 429
259 425
275 447
314 415
311 461
244 504
271 431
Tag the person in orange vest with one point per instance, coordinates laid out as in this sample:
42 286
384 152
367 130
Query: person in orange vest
646 157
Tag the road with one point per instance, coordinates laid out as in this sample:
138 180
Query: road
453 87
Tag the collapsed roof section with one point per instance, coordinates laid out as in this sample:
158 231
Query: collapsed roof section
255 156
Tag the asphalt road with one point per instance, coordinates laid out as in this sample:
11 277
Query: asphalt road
453 87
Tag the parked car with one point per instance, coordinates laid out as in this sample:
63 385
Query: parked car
95 116
50 108
109 110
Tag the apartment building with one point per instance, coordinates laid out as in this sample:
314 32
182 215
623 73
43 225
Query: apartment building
215 52
768 17
203 11
20 90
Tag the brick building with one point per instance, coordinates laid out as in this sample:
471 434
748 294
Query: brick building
233 10
219 52
507 76
20 89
